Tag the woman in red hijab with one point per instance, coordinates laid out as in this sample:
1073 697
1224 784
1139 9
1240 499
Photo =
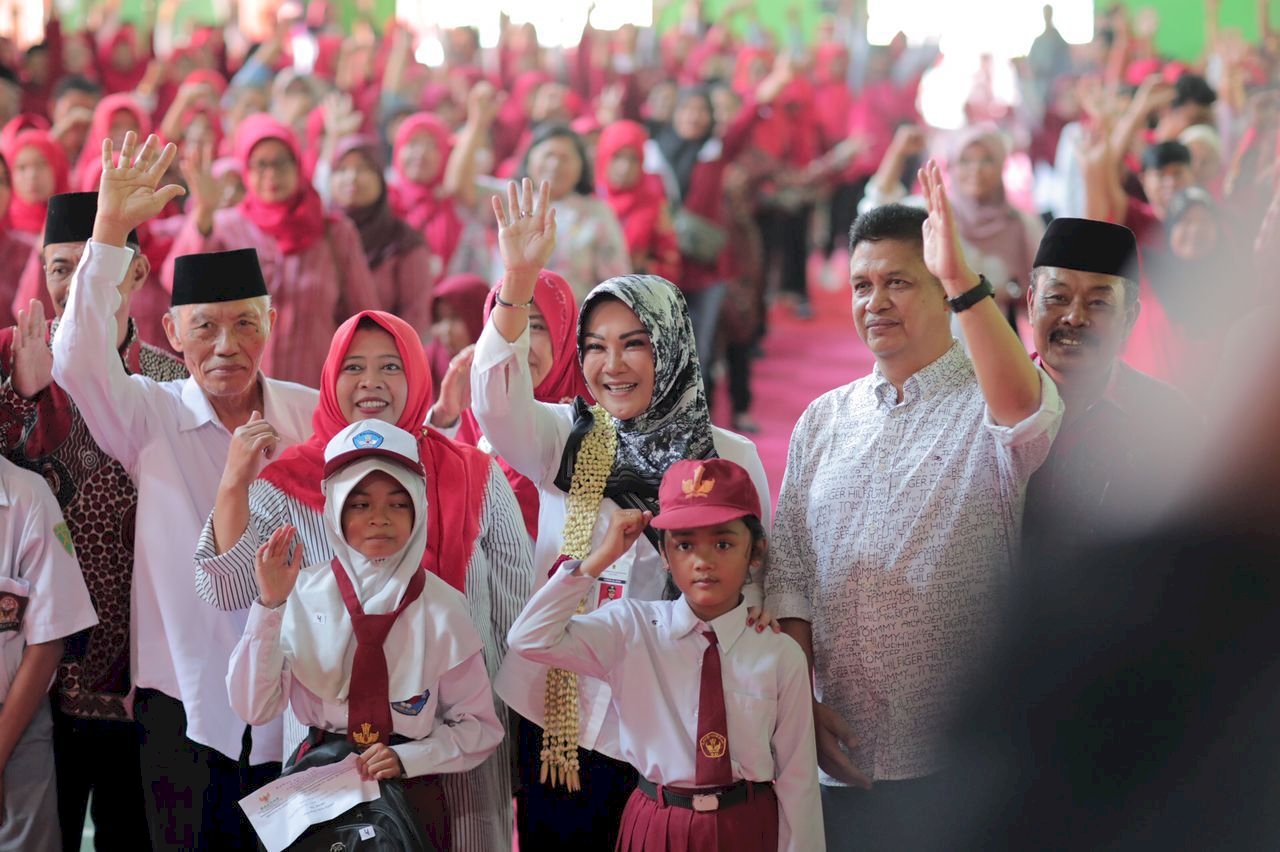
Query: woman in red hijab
457 311
638 200
376 370
122 60
14 251
38 167
419 154
313 262
113 117
553 366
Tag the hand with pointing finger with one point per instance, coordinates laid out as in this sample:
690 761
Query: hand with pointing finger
251 445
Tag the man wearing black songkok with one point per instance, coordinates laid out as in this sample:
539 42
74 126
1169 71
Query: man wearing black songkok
1112 462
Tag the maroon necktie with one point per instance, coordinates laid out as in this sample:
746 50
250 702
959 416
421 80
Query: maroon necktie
369 698
713 768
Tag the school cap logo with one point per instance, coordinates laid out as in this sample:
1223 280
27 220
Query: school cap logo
697 487
367 440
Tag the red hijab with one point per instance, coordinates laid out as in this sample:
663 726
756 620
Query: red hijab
28 216
638 207
420 204
295 224
465 295
115 79
554 299
456 475
88 169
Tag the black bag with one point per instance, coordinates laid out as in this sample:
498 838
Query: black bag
386 824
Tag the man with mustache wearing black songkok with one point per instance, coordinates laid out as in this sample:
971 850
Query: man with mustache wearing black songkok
1114 459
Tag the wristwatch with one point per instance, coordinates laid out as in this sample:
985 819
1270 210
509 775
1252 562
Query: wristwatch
973 296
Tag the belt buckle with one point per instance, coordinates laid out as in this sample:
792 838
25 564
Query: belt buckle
703 802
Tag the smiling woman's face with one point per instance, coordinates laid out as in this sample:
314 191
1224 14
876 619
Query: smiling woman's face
372 384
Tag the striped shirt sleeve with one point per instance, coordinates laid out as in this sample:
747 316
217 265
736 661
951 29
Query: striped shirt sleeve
509 551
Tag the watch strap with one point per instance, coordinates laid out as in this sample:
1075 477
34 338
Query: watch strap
973 296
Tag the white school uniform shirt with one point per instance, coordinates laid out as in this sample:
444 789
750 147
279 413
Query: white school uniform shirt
42 592
453 724
650 653
167 436
531 436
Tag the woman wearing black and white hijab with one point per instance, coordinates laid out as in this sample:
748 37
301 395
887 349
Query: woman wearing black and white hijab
635 345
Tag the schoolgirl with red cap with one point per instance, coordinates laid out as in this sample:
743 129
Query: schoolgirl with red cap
716 717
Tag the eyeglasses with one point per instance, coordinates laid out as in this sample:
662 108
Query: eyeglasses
278 165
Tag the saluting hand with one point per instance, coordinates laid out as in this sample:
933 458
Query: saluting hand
526 228
127 194
276 572
943 254
32 357
625 527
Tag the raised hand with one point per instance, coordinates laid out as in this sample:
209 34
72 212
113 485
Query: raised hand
778 78
526 228
340 116
943 254
127 194
32 357
276 572
455 390
197 171
625 527
482 104
251 444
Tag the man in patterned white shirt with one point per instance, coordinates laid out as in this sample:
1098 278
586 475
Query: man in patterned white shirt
898 519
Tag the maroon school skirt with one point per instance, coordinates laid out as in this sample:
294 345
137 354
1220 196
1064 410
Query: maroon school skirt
648 826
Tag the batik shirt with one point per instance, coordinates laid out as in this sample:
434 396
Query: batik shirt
48 436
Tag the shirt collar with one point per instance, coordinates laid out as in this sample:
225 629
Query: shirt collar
926 381
194 398
728 627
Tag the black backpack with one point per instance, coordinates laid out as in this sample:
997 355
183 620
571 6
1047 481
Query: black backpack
386 824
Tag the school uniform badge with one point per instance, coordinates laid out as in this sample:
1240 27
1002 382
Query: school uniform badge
413 706
63 534
12 608
713 744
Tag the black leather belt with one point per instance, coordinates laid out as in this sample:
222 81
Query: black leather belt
711 800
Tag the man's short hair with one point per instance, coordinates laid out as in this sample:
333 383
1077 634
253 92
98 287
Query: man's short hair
1130 286
1161 154
1193 89
888 222
76 83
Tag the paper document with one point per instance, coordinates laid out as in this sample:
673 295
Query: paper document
283 809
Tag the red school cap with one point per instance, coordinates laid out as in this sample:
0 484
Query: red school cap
705 493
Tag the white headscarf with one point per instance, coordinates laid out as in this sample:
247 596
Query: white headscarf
317 637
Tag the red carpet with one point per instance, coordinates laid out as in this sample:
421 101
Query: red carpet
802 360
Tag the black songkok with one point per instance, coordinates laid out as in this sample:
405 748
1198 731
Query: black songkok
218 276
1088 246
69 218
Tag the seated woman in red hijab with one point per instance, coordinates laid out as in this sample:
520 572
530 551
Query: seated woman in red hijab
418 193
638 200
38 167
457 315
314 262
399 259
476 542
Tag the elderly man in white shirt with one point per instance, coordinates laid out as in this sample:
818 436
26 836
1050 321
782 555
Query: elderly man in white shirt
198 758
898 518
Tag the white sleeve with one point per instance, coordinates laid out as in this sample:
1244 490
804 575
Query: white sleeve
85 361
467 729
1024 446
548 632
527 433
58 602
795 757
258 679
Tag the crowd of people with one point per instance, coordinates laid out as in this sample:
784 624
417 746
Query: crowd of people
355 405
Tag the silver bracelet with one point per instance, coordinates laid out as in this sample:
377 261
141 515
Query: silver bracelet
524 306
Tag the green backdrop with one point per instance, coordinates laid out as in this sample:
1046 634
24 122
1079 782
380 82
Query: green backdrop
1181 32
